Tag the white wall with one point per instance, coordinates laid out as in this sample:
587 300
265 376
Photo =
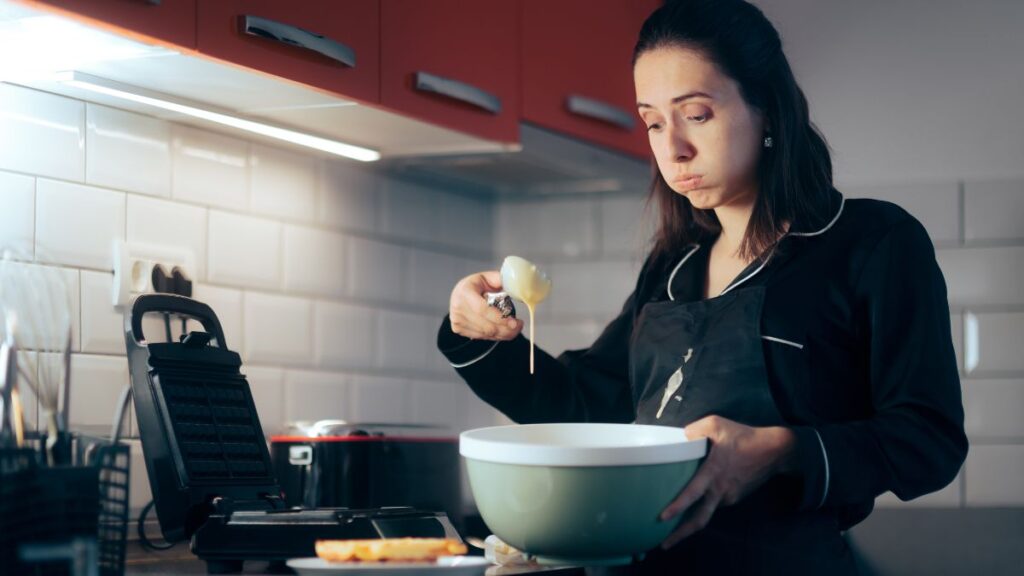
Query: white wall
919 90
329 279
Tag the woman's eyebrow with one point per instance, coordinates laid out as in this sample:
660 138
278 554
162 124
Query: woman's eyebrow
679 99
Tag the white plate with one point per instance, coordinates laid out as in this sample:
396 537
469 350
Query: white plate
446 566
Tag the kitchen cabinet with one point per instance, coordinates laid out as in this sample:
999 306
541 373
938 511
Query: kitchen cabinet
577 69
172 21
330 45
453 63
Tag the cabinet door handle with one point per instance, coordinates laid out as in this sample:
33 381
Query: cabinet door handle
426 82
294 36
602 111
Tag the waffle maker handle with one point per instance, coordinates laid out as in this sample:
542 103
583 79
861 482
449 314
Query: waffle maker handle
174 304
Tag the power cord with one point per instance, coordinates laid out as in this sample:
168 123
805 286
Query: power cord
144 540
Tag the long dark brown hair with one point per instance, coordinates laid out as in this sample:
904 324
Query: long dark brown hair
794 175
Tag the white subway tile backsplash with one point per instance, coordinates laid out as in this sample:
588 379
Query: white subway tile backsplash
76 225
377 399
410 211
311 396
625 227
472 266
43 134
314 261
348 196
96 384
466 223
474 412
209 168
947 497
244 251
102 324
404 340
994 408
169 224
267 385
432 277
596 289
283 183
546 227
278 329
983 275
993 210
992 342
375 270
17 219
344 336
435 403
138 481
44 287
436 361
935 204
994 475
127 151
227 305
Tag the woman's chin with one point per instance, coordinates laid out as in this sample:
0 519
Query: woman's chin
700 199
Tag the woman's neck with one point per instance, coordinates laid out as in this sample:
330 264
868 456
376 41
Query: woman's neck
734 218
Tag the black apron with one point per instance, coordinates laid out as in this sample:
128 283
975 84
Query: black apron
693 359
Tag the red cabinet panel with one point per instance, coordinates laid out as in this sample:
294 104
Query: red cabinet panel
313 42
577 74
173 21
451 62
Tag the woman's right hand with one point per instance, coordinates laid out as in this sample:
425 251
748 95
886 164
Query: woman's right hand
472 317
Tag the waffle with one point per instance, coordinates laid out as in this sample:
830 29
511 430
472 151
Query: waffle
388 549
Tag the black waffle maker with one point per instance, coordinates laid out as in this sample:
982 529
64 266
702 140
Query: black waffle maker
208 463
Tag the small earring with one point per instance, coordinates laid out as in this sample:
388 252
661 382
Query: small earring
767 141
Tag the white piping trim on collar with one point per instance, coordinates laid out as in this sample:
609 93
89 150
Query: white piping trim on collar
748 276
842 203
672 276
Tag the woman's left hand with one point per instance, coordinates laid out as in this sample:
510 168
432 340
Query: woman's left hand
741 458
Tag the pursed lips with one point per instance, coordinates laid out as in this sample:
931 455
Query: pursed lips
687 182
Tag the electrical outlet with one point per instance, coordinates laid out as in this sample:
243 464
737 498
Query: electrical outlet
134 263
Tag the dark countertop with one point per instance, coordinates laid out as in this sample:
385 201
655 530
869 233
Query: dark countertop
179 560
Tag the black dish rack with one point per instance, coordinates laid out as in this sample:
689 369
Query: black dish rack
64 519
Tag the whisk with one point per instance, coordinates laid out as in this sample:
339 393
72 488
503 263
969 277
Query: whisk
37 298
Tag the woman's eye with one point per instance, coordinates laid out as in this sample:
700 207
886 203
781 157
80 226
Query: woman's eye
653 127
697 113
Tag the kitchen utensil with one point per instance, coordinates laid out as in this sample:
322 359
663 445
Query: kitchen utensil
12 426
37 298
579 494
522 280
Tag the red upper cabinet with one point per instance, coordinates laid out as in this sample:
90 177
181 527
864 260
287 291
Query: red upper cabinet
453 63
172 21
577 73
326 44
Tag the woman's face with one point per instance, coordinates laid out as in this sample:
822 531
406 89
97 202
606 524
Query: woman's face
705 138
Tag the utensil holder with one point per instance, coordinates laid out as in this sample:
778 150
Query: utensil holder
86 501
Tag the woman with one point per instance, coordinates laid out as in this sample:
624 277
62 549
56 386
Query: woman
805 335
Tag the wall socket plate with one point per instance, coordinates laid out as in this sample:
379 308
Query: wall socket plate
134 263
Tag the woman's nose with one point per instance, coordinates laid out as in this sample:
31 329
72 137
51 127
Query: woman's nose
680 147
